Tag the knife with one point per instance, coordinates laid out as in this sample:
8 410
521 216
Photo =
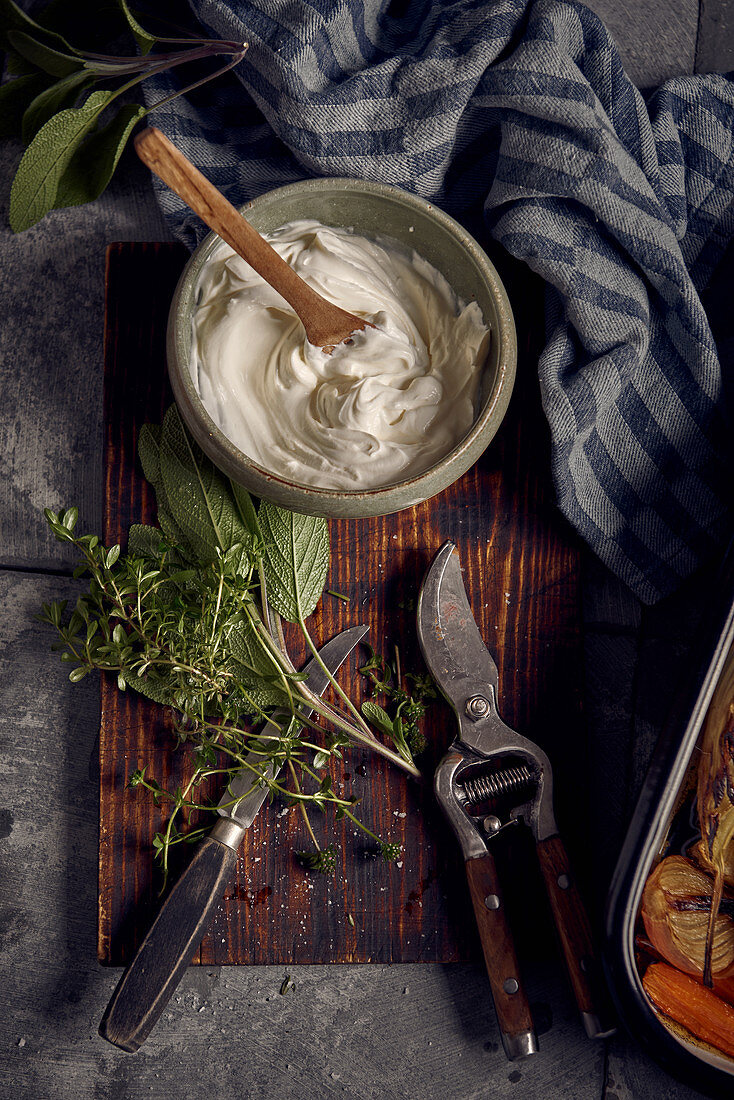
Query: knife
159 964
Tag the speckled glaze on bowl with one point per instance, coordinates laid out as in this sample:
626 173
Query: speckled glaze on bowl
375 210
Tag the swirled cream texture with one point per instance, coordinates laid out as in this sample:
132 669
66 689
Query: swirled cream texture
371 413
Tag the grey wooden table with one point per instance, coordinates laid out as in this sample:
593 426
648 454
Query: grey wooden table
364 1031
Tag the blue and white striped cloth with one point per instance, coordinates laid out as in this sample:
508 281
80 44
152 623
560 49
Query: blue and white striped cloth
624 207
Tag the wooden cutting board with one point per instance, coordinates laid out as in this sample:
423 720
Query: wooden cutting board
521 569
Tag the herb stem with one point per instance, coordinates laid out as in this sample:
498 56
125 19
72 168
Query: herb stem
337 687
302 807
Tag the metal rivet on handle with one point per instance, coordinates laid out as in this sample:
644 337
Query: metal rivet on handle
477 706
492 901
492 824
564 881
510 985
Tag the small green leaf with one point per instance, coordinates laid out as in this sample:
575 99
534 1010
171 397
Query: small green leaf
379 717
69 518
51 100
45 160
93 164
78 674
295 559
112 555
144 39
51 61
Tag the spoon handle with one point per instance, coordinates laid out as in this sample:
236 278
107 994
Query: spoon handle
324 322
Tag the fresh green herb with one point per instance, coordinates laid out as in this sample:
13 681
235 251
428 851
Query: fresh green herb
403 725
59 101
322 860
188 616
337 595
390 851
286 985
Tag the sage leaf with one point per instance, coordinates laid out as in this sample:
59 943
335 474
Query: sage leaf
45 160
246 508
15 98
247 648
265 697
13 18
157 688
51 61
197 494
144 541
295 552
149 453
379 717
174 533
92 165
50 100
145 40
255 669
15 65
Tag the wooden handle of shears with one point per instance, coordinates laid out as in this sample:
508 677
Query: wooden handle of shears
574 933
510 1002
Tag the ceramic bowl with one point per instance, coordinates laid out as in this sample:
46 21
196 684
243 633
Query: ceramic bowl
375 210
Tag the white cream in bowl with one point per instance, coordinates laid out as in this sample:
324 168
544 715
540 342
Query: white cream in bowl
379 410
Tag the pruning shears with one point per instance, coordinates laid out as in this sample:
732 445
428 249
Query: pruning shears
490 778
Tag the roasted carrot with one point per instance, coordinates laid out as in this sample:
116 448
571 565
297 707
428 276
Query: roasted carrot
724 988
692 1005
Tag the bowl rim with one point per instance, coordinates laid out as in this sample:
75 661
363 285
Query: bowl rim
419 487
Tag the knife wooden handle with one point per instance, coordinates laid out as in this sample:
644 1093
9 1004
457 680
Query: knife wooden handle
510 1002
574 933
150 979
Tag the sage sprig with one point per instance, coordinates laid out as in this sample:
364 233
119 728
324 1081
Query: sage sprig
189 614
60 102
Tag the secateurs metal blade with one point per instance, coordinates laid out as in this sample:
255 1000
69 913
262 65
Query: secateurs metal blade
490 778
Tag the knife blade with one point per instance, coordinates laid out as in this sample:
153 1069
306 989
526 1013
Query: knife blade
162 958
246 793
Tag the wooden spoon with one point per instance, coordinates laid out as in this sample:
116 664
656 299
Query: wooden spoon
326 325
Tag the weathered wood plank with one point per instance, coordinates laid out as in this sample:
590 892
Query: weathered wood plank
521 567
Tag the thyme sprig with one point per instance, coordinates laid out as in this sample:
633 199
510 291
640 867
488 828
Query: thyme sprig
188 615
407 708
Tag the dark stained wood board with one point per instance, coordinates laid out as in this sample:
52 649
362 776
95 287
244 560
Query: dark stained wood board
521 568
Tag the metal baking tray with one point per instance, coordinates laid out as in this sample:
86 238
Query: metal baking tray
660 819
